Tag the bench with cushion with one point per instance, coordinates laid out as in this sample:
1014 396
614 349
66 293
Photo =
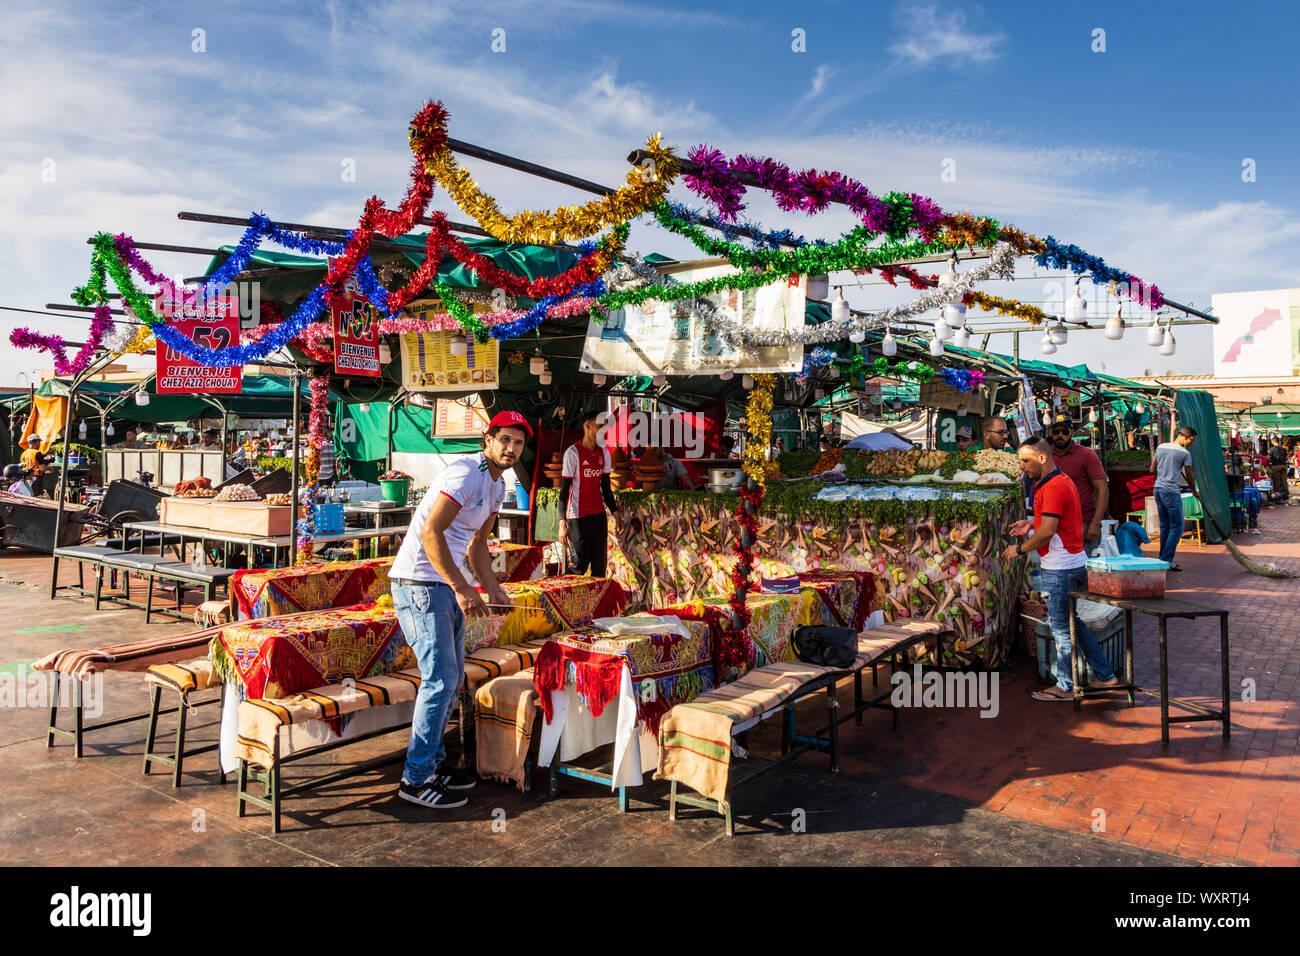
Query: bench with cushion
183 680
696 739
266 741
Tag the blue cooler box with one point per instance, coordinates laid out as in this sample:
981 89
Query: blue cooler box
329 518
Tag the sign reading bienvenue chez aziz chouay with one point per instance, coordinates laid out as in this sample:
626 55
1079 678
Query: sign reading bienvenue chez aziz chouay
670 338
429 366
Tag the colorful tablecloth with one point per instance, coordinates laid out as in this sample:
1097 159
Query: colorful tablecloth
665 668
274 657
310 587
515 562
836 598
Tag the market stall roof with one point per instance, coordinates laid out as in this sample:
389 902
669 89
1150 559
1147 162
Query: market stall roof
263 396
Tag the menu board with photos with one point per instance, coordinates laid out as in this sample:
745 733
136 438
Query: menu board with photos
429 366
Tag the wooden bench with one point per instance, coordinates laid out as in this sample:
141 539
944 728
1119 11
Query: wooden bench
183 680
697 740
260 739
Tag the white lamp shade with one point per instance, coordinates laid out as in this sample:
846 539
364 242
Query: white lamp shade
1155 335
936 346
545 377
536 365
961 337
857 337
1115 327
363 407
941 331
599 379
1060 334
81 429
1076 307
889 345
142 398
660 381
819 287
747 382
727 375
954 313
1167 346
109 430
1048 346
839 308
1139 408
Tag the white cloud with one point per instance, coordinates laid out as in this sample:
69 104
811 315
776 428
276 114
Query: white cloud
930 36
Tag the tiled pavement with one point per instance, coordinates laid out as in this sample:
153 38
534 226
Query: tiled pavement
950 787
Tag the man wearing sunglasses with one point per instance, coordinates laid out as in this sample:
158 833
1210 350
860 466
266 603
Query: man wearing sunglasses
994 432
1083 467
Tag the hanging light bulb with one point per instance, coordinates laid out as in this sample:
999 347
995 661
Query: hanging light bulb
1155 336
458 345
545 377
1139 408
363 407
599 379
1060 334
819 287
81 430
727 375
1115 325
1167 346
142 398
109 429
1047 416
936 345
898 404
888 345
1048 347
941 331
536 364
839 308
857 336
747 382
954 310
1092 417
961 410
962 336
1076 309
660 380
788 395
818 394
834 372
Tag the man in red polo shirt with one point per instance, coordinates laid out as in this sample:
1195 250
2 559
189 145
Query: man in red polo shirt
1083 467
1058 538
585 493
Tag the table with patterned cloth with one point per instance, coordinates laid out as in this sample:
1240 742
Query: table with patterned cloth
515 562
309 587
273 657
643 673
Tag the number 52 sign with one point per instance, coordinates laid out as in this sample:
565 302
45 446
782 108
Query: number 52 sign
213 324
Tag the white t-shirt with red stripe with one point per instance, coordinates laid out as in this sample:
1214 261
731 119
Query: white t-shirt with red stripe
585 468
467 482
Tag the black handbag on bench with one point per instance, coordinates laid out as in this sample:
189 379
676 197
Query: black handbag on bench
828 646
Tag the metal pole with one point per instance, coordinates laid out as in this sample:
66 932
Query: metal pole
293 476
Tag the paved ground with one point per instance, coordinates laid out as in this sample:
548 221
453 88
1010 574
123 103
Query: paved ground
949 788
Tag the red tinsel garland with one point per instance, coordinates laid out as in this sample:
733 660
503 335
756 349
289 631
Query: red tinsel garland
739 650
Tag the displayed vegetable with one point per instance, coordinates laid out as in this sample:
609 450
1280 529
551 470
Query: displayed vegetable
238 493
956 462
828 460
987 459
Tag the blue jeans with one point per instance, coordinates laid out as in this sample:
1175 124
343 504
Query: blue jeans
434 626
1057 586
1169 505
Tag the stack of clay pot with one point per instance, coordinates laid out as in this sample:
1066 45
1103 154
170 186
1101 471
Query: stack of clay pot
650 469
552 470
620 472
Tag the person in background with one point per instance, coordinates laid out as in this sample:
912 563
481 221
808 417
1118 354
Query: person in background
677 476
328 474
1277 471
132 440
1057 535
727 448
1171 463
212 440
965 438
585 493
993 434
17 480
432 598
1083 467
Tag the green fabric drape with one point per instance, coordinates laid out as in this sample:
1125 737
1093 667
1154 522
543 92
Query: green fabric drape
1196 410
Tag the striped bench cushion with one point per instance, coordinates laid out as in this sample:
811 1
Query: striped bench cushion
183 678
505 709
488 663
880 641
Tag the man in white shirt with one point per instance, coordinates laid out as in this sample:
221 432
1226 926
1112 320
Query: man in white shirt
432 598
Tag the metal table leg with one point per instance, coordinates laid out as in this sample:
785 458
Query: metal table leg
1128 656
1223 654
1076 690
1164 680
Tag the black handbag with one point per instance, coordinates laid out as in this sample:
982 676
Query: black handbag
828 646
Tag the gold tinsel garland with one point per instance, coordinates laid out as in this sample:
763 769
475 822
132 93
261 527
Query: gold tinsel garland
758 428
1030 313
644 188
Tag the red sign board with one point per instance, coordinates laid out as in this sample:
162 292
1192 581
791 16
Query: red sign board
356 338
213 324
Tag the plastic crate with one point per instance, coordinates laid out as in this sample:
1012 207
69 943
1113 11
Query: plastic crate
1110 635
329 518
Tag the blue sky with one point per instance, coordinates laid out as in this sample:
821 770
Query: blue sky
1134 154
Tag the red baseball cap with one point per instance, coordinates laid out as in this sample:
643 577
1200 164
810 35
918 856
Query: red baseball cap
511 420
